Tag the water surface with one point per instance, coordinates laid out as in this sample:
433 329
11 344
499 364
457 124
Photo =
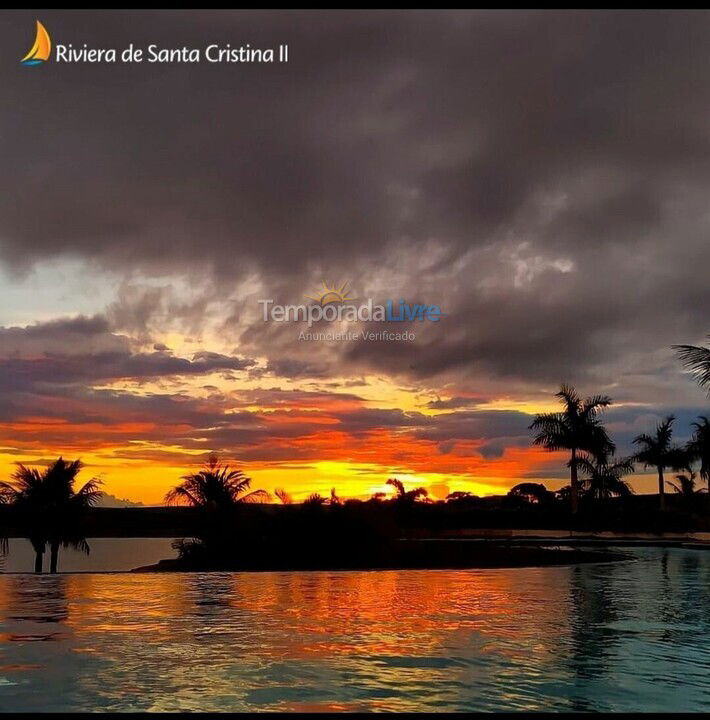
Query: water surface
618 636
106 554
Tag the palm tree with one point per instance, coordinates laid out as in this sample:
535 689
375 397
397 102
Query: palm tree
4 541
699 447
658 451
577 428
603 478
314 500
685 485
68 506
216 486
52 507
26 493
696 359
406 497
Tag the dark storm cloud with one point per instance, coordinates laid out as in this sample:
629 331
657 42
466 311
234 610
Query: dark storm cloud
61 369
476 425
294 368
83 351
368 419
554 165
68 336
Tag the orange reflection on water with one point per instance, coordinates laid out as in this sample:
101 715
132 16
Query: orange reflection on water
608 636
398 632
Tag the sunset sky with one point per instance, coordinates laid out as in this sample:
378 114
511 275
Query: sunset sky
543 178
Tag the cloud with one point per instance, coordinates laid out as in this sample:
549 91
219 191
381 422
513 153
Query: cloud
63 336
453 403
542 176
84 350
532 171
111 501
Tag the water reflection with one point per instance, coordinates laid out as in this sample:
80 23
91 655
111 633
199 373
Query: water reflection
630 636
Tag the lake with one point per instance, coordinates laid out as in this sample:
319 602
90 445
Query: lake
632 635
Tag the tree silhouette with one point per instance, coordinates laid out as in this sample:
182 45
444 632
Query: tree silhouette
535 493
696 359
406 497
314 500
577 428
603 478
5 498
68 506
685 485
27 493
699 447
51 507
216 486
461 496
658 451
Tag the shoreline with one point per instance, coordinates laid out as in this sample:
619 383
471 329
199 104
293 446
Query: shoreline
425 554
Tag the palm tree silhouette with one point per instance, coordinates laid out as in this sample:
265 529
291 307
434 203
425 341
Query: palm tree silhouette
577 428
52 508
603 478
696 359
685 485
5 498
314 500
216 486
68 506
27 493
699 447
658 451
406 497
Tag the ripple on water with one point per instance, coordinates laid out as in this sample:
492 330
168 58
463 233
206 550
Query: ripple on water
626 636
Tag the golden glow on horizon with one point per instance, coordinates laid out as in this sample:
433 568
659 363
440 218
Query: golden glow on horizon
304 435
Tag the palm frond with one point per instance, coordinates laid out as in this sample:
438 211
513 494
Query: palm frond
696 359
180 494
314 500
569 396
284 497
592 405
79 544
256 496
90 493
397 485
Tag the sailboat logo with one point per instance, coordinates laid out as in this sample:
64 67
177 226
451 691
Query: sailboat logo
41 49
